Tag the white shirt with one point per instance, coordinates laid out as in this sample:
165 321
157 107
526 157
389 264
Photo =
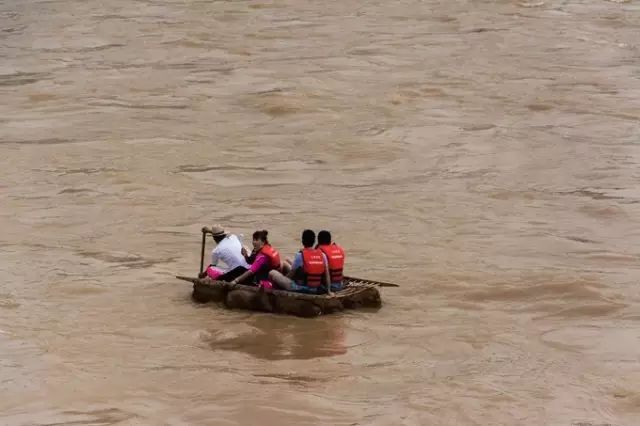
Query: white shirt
229 251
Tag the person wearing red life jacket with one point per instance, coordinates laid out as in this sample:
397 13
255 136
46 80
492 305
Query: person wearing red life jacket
335 259
264 259
309 272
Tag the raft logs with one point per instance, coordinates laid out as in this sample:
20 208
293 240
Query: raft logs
251 298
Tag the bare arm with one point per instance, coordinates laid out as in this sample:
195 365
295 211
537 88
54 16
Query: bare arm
214 256
293 268
245 254
291 273
327 275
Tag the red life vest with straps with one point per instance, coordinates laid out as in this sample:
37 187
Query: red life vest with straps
335 258
272 254
313 265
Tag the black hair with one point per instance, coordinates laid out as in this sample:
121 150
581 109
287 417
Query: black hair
324 238
308 238
218 238
261 235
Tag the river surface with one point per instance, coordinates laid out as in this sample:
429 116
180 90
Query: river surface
485 155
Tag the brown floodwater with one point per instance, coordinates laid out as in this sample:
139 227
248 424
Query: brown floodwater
485 155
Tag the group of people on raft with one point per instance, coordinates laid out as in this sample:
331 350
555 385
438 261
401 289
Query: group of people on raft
315 269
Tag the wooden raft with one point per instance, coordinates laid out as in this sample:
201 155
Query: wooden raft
358 293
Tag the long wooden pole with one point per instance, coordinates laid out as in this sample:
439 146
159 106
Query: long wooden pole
204 240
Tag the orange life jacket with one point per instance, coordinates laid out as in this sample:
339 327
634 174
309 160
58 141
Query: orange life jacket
335 258
313 265
272 254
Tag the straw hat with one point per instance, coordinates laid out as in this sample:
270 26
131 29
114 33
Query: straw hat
217 230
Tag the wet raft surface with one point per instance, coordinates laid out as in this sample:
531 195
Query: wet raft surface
357 293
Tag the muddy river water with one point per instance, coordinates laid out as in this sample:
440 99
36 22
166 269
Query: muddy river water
485 155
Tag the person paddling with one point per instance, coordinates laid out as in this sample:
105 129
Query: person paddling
228 250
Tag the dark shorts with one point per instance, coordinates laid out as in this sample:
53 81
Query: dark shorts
233 274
